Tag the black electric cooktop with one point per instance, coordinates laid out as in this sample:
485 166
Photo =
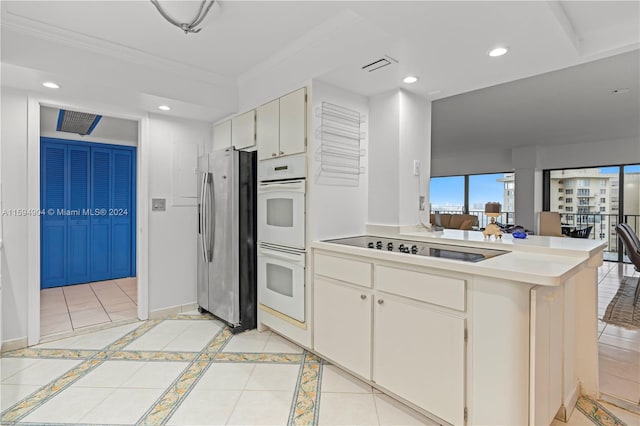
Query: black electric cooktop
419 248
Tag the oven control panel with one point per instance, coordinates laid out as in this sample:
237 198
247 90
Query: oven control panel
289 167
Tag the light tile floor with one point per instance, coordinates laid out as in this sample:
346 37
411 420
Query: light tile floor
190 370
619 348
69 308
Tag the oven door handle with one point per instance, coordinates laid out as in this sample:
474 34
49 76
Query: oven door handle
292 186
275 254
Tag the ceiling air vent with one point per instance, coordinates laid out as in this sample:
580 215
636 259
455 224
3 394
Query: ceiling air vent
379 63
81 123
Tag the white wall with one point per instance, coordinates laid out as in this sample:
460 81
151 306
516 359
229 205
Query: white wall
172 233
415 144
384 123
400 133
335 210
13 155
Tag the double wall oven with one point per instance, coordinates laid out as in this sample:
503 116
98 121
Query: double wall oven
281 235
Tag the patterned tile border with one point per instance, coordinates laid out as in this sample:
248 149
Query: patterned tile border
259 358
147 356
51 353
22 408
597 413
27 405
304 410
171 399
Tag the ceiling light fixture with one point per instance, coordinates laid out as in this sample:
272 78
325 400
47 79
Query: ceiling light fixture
164 108
190 27
50 85
498 51
410 79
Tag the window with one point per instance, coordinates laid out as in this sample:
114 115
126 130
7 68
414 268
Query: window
568 184
603 191
603 200
603 209
568 191
447 194
569 200
603 183
583 182
568 209
583 210
469 193
583 192
498 187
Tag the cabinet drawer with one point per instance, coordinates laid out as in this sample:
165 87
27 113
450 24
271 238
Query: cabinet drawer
351 271
443 291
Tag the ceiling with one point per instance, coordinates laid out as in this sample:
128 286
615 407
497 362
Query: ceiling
575 104
125 53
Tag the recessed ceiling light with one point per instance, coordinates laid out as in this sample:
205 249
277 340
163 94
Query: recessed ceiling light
498 51
164 107
50 85
620 90
410 79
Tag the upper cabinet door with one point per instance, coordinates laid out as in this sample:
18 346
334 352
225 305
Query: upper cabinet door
293 114
268 130
222 135
243 132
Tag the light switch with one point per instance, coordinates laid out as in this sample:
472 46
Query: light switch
158 204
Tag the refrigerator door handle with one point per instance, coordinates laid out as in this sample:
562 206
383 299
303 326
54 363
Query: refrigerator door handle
203 217
213 218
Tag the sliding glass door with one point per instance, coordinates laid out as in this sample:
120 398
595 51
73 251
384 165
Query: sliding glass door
598 198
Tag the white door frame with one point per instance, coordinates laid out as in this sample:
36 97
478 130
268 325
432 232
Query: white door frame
33 201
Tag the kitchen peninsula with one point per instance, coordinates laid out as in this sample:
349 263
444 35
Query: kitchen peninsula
511 339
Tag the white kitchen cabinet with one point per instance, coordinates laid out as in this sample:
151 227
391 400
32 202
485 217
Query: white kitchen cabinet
222 135
243 130
268 130
419 354
292 122
281 126
342 330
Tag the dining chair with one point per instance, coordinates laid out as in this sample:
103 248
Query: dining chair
550 224
631 244
581 233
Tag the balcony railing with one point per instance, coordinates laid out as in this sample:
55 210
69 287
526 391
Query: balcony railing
604 228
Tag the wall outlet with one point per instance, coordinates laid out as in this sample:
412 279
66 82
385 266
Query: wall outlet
416 167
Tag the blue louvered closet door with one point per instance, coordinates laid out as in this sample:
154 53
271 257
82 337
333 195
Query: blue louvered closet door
88 225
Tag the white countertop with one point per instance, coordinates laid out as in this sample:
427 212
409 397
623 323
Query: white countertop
538 260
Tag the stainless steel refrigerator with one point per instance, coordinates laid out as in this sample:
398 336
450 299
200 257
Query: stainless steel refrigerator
227 237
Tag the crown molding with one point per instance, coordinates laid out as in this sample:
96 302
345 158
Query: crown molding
26 26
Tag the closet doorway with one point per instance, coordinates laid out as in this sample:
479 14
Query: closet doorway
88 222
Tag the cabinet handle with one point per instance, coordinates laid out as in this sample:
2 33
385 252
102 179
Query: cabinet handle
380 301
363 296
273 154
281 152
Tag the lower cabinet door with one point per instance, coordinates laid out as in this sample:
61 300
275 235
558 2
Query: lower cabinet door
419 354
342 325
